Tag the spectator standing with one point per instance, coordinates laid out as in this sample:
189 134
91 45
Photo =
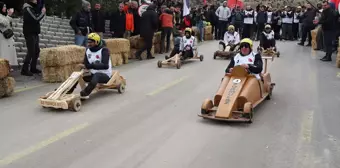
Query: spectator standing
237 19
261 20
118 22
308 25
31 29
166 19
328 25
129 29
248 22
213 19
98 18
150 23
82 24
7 48
287 23
136 18
223 13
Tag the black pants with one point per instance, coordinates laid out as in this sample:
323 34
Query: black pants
295 30
93 80
247 31
174 51
222 26
328 38
260 28
187 54
33 51
306 31
214 29
287 31
238 27
147 46
166 31
276 29
118 35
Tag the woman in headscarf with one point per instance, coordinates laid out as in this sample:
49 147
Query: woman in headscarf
7 48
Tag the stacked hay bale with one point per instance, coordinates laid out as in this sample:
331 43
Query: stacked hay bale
136 43
207 33
314 34
157 42
338 55
58 63
119 50
7 83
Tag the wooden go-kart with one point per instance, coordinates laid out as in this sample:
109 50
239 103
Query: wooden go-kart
222 53
269 52
177 60
238 95
59 99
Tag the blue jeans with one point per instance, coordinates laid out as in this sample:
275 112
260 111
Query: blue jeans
200 27
80 40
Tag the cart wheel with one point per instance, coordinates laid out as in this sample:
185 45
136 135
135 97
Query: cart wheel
269 96
201 57
121 88
178 65
166 57
248 112
215 55
75 105
159 64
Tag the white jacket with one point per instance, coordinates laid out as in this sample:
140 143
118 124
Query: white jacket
231 38
223 13
188 42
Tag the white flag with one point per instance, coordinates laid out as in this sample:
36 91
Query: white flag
186 7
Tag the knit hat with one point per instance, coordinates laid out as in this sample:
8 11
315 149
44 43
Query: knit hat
85 5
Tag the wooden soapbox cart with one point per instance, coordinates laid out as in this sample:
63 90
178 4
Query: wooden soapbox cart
239 93
177 61
269 52
59 99
226 54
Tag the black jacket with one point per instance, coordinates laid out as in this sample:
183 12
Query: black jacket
32 17
328 19
118 22
255 68
150 23
262 17
308 17
98 18
82 21
136 21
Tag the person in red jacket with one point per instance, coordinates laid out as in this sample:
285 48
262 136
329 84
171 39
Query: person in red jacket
167 20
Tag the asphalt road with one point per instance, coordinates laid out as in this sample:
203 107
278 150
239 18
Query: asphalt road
154 124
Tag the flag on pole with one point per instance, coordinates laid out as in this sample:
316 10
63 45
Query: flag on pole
186 7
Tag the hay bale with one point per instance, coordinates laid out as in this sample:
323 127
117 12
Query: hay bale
7 86
157 48
156 38
116 59
143 55
58 74
135 41
337 61
207 30
314 33
4 68
63 55
208 37
118 45
125 56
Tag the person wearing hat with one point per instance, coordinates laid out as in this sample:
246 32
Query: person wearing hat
82 23
247 59
231 39
97 60
267 39
188 44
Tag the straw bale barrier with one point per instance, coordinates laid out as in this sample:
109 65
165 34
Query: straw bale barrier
207 29
4 68
314 33
62 55
207 33
7 85
58 63
119 47
337 61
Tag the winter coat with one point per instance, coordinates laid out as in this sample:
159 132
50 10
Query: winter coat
7 48
150 23
82 21
32 17
98 18
118 22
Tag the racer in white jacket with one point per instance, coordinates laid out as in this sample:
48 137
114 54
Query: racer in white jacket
188 44
231 40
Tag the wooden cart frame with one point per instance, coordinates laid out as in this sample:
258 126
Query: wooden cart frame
176 60
269 52
59 99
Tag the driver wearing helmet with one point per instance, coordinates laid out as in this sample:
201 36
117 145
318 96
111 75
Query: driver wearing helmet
188 44
97 61
231 39
247 59
267 39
